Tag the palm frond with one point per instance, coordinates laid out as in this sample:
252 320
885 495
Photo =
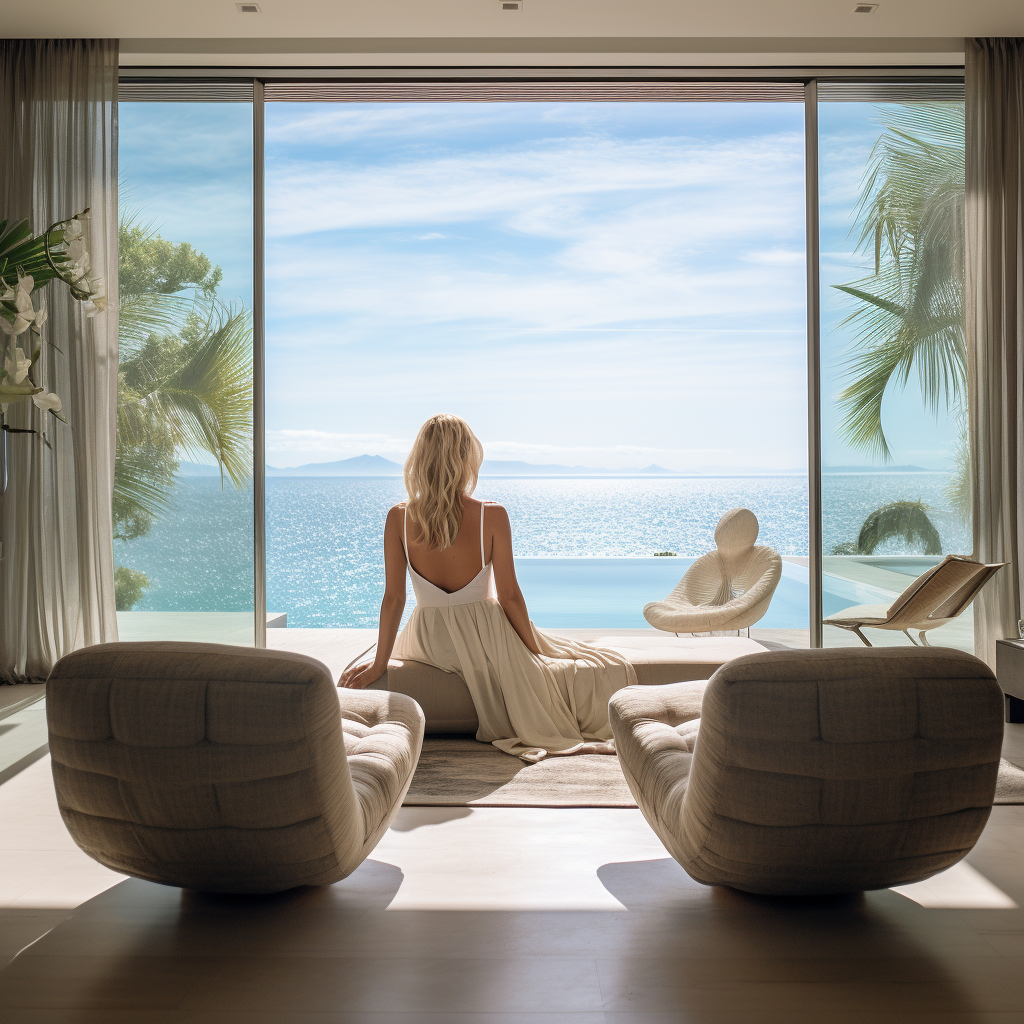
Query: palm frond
911 218
207 400
140 316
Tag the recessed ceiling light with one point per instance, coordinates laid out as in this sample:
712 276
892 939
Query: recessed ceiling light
510 5
248 8
865 8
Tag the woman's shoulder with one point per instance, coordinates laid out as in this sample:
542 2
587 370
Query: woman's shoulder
494 512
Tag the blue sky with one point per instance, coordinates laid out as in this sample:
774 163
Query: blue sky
598 284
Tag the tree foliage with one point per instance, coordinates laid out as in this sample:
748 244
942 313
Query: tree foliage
129 587
909 313
185 375
150 265
906 519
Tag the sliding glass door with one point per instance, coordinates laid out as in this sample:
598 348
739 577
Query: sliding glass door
183 497
895 473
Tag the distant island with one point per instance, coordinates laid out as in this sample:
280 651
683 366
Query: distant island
878 469
377 465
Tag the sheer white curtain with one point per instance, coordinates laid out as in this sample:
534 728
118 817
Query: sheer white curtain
58 155
995 325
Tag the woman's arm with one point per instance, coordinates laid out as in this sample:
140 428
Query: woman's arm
391 607
510 597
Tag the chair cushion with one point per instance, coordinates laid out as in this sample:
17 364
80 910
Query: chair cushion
448 707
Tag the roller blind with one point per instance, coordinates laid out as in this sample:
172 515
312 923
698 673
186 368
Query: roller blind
890 92
193 90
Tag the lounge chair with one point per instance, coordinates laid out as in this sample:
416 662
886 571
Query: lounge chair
224 769
727 589
813 772
936 597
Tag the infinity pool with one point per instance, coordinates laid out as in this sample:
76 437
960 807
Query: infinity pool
611 592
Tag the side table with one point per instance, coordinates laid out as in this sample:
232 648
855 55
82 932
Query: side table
1010 674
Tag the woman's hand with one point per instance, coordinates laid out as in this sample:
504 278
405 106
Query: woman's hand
358 677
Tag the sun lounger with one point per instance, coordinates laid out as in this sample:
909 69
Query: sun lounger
933 599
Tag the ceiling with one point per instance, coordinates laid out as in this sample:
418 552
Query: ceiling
418 31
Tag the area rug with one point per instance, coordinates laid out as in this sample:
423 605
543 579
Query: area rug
464 773
1010 787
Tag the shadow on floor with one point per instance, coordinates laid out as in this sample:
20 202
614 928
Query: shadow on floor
844 957
411 818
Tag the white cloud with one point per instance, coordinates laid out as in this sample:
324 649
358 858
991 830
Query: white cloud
531 185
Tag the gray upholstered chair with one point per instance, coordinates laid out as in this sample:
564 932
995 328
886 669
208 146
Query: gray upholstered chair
225 769
821 771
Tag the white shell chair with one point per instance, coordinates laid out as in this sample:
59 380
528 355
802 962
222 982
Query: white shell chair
726 589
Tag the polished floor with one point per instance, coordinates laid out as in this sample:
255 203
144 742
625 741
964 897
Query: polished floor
498 915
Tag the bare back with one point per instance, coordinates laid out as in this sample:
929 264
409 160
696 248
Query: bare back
456 566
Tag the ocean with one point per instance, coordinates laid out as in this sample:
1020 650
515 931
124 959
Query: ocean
573 537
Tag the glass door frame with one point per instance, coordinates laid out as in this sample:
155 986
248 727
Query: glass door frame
723 83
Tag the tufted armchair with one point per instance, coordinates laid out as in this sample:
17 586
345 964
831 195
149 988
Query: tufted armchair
816 771
225 769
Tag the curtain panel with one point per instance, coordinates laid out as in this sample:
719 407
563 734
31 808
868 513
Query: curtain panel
58 133
995 325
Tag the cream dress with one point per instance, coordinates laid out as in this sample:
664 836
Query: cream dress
527 705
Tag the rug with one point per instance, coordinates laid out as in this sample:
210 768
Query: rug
464 773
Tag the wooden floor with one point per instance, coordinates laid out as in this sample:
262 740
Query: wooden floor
497 916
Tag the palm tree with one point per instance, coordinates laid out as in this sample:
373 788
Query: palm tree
906 519
185 375
909 312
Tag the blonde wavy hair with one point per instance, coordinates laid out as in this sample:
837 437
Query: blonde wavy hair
444 464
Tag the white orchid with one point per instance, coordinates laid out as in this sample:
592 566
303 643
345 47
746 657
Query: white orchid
25 312
17 366
48 402
72 264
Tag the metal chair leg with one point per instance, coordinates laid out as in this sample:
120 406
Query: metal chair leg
923 638
867 642
911 639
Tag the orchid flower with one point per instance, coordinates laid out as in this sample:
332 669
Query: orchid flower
25 312
48 402
17 367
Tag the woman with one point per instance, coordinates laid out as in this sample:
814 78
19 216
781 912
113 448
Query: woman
536 695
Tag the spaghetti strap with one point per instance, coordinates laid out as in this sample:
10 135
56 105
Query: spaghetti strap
405 534
483 564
